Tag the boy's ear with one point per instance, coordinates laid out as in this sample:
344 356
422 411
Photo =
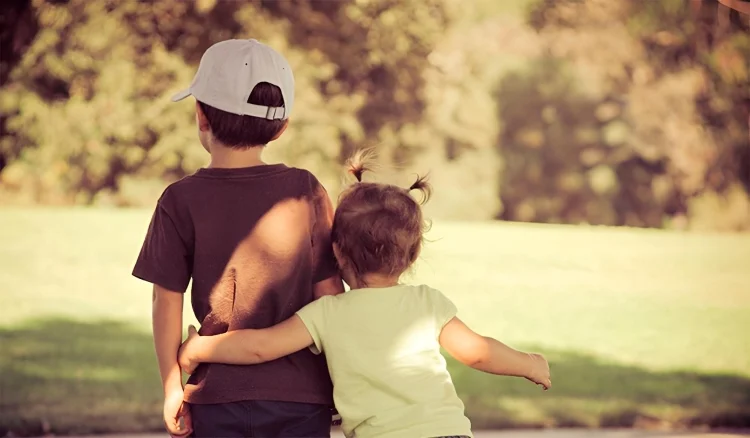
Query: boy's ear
200 118
281 131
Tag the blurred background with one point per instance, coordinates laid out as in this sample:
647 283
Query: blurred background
634 114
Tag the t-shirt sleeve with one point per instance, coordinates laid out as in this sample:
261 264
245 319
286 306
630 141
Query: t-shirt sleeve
443 308
166 255
324 261
313 316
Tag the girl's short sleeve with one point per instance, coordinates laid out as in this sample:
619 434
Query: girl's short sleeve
313 316
443 308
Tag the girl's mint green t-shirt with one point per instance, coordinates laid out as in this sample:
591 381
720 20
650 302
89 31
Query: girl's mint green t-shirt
382 349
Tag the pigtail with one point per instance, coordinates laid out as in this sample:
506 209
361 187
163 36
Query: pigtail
361 162
423 186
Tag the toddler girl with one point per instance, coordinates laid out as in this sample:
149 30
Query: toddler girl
382 338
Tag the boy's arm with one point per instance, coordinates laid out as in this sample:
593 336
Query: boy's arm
167 327
245 347
327 280
165 260
492 356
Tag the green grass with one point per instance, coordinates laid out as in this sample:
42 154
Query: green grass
642 328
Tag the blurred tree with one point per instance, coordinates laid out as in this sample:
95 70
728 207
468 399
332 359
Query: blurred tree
601 112
715 40
665 119
557 168
86 107
18 27
459 129
83 104
379 48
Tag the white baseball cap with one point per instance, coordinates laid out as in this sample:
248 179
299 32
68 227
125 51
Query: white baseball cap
230 70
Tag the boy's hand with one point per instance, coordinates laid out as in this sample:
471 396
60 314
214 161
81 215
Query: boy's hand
177 415
185 358
539 372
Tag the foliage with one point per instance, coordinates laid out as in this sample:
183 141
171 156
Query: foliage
583 111
662 119
88 102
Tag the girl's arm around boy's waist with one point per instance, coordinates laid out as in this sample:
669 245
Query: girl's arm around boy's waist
245 347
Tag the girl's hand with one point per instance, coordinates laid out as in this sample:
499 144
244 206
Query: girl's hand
539 371
185 356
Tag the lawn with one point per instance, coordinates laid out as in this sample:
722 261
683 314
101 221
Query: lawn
642 328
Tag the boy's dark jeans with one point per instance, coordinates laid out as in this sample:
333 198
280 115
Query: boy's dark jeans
261 419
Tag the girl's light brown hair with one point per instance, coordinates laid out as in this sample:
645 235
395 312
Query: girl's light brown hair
379 228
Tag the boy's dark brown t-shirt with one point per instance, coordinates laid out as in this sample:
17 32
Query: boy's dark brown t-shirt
254 241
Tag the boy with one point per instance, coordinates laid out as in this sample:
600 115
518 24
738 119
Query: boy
255 239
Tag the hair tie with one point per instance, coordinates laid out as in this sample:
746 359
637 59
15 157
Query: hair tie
423 186
357 171
361 162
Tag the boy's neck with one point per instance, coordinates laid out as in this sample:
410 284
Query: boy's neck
229 158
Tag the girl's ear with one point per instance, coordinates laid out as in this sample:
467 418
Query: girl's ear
339 258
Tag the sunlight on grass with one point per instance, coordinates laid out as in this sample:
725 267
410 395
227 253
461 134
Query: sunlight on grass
643 297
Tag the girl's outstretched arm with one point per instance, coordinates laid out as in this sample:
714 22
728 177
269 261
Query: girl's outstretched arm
244 347
492 356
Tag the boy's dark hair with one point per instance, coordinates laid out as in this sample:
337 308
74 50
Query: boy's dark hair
379 228
238 131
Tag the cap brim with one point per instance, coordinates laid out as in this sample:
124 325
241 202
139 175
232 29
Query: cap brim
181 95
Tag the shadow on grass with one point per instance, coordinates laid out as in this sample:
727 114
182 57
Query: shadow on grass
64 376
588 392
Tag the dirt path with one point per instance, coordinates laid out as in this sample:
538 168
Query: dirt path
552 433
